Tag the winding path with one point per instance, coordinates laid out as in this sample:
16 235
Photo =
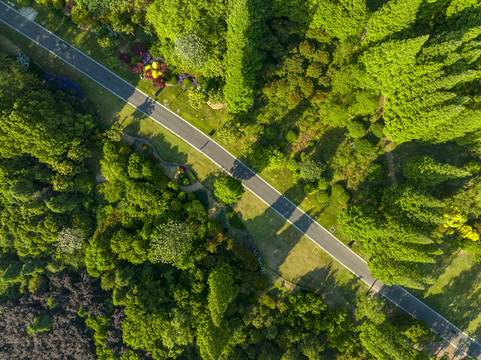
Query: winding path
236 168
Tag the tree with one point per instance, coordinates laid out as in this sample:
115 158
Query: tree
392 17
171 243
344 19
357 129
228 189
222 291
243 59
310 168
425 171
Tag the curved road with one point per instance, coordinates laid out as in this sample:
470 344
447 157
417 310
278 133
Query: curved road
236 168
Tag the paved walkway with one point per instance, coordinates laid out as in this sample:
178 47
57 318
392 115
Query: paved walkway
236 168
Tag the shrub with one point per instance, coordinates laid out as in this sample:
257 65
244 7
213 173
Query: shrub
271 132
187 82
106 42
291 135
365 146
281 144
337 189
185 181
173 80
323 197
310 188
80 16
357 129
25 2
377 129
323 184
216 96
343 198
138 49
292 165
311 143
375 172
125 58
197 98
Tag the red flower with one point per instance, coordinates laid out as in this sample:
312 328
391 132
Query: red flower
148 74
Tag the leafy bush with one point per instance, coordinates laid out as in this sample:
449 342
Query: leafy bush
216 96
343 198
365 146
357 129
322 197
323 184
377 129
228 189
310 188
187 82
337 189
173 80
292 165
311 143
197 98
291 135
40 324
79 16
271 132
375 172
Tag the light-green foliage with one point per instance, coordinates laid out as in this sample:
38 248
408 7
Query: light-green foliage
342 19
222 291
383 67
243 59
392 17
228 189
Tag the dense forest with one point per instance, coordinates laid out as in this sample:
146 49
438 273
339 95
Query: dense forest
292 74
133 267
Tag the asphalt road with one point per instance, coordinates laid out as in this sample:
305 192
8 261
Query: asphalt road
202 142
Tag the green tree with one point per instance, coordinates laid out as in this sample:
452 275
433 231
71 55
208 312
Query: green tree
392 17
228 189
425 171
310 168
222 291
243 59
172 243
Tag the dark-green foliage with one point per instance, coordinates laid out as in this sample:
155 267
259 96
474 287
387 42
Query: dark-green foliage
365 146
425 171
322 196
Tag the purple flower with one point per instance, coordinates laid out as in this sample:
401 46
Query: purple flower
147 58
184 76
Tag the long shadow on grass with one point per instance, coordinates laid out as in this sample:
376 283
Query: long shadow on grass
285 252
459 300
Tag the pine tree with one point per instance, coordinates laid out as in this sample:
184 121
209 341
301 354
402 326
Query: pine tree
384 69
392 17
344 19
243 60
425 171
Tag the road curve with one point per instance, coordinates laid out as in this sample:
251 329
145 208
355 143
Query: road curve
208 147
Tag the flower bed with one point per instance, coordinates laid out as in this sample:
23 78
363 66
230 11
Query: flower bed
64 84
149 67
